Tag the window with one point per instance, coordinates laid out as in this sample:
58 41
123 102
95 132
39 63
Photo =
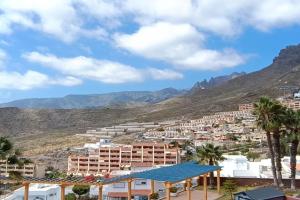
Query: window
140 182
119 185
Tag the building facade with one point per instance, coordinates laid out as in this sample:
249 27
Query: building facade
291 103
25 170
116 157
246 107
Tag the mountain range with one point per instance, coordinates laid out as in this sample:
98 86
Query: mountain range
116 99
245 88
215 81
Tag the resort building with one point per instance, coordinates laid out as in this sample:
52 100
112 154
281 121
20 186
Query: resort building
111 157
25 170
291 103
246 107
240 166
130 127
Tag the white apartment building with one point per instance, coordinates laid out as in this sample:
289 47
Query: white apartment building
37 192
239 166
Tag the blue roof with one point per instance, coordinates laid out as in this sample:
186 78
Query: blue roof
173 174
263 193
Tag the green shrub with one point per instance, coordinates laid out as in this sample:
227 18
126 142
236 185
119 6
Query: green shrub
173 189
154 195
81 189
230 187
70 196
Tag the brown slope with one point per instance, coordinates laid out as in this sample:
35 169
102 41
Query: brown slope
17 122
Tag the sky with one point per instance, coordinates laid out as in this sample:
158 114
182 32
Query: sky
60 47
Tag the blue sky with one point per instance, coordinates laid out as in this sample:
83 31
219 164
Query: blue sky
60 47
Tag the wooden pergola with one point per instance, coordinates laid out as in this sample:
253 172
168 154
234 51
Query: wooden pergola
169 175
175 174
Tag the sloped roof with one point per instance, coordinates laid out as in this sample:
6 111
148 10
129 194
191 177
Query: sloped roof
263 193
172 174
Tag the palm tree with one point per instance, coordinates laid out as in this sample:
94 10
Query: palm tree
209 154
278 115
292 124
263 109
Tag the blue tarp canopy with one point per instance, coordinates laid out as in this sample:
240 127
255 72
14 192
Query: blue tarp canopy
172 174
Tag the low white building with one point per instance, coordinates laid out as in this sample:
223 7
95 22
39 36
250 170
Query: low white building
37 192
239 166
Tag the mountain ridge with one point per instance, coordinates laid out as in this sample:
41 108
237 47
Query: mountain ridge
215 81
78 101
116 99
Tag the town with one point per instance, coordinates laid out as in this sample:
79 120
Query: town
156 145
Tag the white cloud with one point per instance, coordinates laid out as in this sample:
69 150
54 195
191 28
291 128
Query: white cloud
3 57
66 81
100 70
179 44
4 43
164 74
99 9
161 40
67 19
275 13
221 17
58 18
172 31
150 11
206 59
89 68
31 79
14 80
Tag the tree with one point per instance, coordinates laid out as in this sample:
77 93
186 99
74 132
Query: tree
252 156
11 155
230 187
209 154
15 175
174 143
244 150
81 189
6 147
264 110
276 125
292 124
70 196
189 155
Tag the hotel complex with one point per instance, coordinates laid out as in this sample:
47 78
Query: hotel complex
111 157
